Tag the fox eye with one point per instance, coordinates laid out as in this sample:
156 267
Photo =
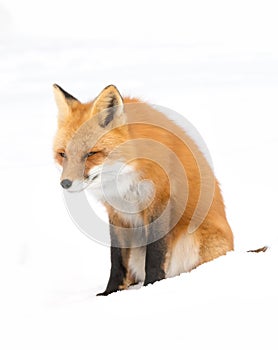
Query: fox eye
90 154
62 154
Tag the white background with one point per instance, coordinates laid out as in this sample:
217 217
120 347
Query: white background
216 62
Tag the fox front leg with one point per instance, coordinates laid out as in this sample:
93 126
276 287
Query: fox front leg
155 261
117 272
118 269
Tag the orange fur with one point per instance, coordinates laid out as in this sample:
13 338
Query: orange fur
185 250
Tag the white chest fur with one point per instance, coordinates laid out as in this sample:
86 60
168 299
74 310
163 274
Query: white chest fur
121 187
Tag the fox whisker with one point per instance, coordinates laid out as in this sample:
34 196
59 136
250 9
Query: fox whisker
93 176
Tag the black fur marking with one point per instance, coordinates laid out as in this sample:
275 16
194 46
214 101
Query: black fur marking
66 94
155 258
110 111
112 102
118 271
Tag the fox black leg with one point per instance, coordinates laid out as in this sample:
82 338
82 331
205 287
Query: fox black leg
155 259
118 270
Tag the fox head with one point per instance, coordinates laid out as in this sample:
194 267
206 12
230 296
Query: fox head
87 137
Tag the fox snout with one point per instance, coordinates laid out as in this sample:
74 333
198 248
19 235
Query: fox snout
73 174
66 183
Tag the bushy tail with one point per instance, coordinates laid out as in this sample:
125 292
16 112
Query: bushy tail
259 250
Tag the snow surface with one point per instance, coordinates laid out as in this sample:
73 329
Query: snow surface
215 64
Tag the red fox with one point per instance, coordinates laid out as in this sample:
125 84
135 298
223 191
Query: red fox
166 192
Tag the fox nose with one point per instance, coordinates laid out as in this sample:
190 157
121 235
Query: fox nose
66 183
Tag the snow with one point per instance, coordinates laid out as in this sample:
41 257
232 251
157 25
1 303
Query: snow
221 72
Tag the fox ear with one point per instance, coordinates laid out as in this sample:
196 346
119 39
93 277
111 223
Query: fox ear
64 101
109 107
